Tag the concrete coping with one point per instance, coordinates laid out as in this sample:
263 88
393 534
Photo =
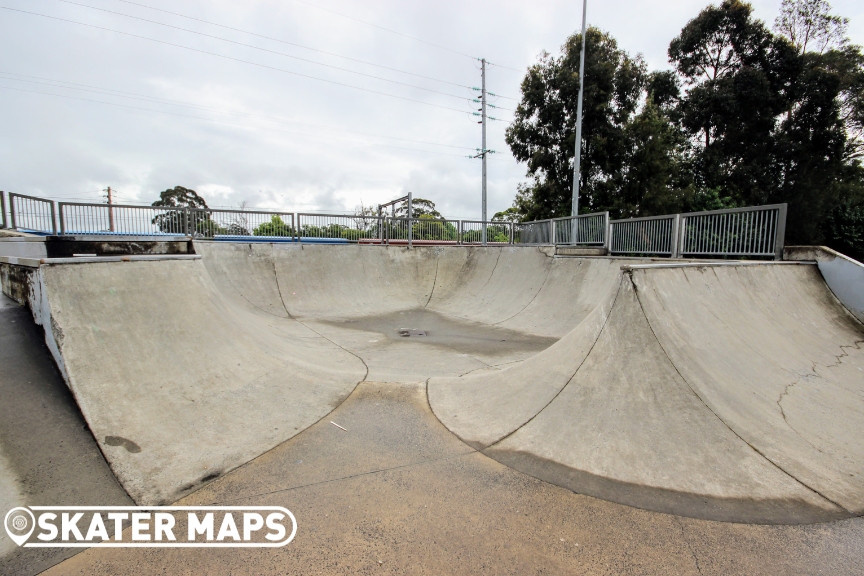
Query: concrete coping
703 264
36 262
22 238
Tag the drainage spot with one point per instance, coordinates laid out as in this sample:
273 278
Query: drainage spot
407 332
129 445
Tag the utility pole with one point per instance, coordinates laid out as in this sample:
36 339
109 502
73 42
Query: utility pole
483 144
578 154
110 210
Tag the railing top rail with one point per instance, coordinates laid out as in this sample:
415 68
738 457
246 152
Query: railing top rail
352 216
733 210
534 221
495 222
101 205
16 195
644 218
421 219
594 214
120 205
221 210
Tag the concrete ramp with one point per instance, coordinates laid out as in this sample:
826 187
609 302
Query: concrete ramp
187 367
721 392
177 385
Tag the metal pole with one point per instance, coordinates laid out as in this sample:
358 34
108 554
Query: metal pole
578 152
410 230
483 144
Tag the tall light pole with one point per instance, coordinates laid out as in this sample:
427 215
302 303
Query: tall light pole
578 154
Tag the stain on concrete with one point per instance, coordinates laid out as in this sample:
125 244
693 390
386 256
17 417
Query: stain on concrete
124 442
447 332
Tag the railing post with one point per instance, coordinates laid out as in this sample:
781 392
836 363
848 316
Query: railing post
410 228
553 230
2 209
606 232
62 218
297 226
676 228
53 219
460 233
780 240
12 211
511 232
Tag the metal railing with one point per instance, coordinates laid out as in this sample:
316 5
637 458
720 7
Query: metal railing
219 223
534 232
121 219
338 227
756 231
585 229
496 232
31 214
649 235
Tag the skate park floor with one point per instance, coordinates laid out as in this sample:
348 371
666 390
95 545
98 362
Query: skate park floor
396 493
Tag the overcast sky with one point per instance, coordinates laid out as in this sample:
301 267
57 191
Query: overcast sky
85 107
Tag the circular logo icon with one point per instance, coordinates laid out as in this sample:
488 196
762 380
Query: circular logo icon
19 523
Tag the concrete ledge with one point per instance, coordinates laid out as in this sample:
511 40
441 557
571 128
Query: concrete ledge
36 262
580 251
844 276
704 264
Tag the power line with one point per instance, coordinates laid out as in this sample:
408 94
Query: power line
366 62
157 100
234 59
399 34
388 30
230 123
264 49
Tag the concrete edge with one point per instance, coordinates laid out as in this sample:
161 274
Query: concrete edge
22 238
36 262
629 267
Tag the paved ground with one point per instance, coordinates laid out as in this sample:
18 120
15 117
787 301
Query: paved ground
398 494
47 454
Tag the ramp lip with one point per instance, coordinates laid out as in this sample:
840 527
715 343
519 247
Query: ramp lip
628 267
36 262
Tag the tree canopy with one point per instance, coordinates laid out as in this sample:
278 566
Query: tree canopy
747 115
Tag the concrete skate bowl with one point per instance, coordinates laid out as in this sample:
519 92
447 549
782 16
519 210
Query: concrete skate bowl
721 393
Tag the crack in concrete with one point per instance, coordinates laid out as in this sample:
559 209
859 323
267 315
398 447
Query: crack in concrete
689 546
434 282
348 477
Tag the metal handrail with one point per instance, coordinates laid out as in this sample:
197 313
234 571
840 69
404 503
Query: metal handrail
21 220
749 231
644 235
